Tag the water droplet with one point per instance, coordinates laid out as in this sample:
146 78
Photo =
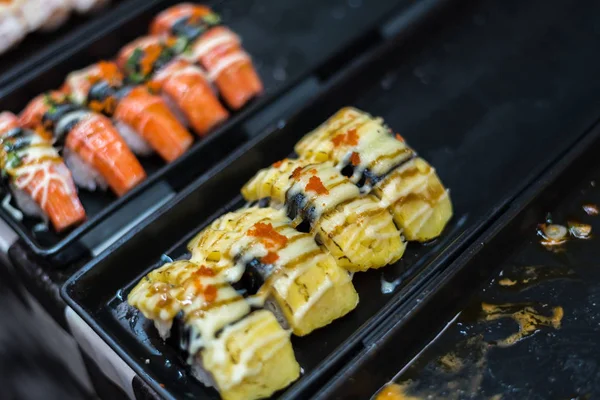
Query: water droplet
41 227
389 287
120 294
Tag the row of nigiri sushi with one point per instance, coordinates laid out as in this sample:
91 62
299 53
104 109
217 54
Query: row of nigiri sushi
20 17
345 205
109 111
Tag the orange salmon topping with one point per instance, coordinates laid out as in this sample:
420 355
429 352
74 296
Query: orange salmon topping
153 86
270 258
278 164
399 137
268 235
315 185
355 158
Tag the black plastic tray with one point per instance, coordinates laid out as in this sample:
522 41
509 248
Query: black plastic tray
287 50
39 46
509 245
432 102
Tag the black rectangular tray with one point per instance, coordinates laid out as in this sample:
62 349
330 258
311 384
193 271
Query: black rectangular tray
565 276
433 101
38 47
288 51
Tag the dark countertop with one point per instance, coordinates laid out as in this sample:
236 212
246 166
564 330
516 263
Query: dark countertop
555 292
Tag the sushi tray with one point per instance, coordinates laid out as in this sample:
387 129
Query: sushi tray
33 30
527 285
399 85
79 108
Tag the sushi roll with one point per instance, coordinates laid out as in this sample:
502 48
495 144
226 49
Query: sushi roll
37 176
95 153
13 27
379 162
46 15
356 229
182 84
143 119
244 354
213 46
258 248
251 359
184 285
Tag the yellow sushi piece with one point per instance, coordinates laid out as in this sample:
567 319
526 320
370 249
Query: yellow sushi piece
308 286
272 182
191 288
352 131
386 167
252 358
418 200
356 229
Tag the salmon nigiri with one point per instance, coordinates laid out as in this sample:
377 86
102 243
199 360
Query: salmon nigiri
182 84
215 47
143 119
97 156
39 180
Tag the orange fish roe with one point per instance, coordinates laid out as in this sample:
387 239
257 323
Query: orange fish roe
278 164
270 258
210 293
268 235
337 140
151 54
297 173
399 137
107 105
205 271
355 158
110 72
315 185
350 138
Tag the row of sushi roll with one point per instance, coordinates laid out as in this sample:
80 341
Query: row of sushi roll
348 203
20 17
141 103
